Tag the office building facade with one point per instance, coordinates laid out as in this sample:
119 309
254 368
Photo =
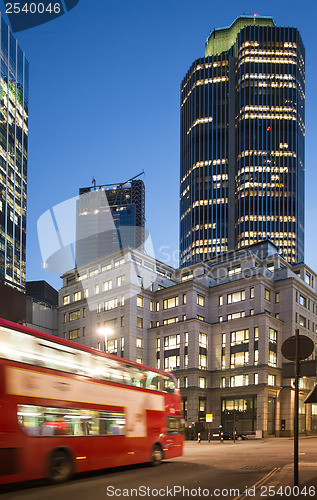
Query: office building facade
13 159
218 326
108 218
242 142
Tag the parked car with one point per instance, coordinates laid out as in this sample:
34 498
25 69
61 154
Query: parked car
229 435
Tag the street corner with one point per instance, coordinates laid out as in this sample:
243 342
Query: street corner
279 483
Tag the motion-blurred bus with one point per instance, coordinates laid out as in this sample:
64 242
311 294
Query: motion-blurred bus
67 408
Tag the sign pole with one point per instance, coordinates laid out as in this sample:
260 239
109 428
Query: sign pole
234 425
296 349
296 407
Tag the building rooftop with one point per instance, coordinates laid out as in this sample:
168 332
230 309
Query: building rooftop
222 39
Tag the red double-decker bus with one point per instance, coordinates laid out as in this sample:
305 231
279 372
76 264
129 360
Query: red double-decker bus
67 408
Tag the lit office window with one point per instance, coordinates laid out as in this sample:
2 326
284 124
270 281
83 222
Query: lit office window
121 280
107 285
140 301
236 297
170 303
202 382
172 342
271 379
74 315
139 343
200 300
239 380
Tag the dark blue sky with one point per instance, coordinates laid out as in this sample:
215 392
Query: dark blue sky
104 102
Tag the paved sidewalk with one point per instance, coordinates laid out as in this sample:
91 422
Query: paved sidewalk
279 483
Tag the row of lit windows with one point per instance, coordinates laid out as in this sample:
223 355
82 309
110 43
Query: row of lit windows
207 119
244 379
185 191
258 169
253 184
173 341
206 226
213 241
261 60
206 81
204 66
240 314
265 153
110 304
204 243
266 194
250 241
209 250
107 285
95 271
254 43
265 76
207 163
201 227
211 65
308 304
241 358
268 234
266 116
173 363
217 201
267 218
278 109
266 52
273 84
185 255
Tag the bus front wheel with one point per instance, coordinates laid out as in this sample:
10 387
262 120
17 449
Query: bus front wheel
157 455
60 466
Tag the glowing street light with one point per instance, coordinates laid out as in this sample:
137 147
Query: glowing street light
105 332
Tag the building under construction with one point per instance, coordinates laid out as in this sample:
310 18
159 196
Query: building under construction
109 217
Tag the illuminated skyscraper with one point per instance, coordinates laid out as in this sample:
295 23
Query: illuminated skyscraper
13 159
242 142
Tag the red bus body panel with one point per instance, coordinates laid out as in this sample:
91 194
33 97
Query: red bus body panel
24 457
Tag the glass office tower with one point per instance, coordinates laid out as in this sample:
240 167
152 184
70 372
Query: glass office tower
13 159
242 142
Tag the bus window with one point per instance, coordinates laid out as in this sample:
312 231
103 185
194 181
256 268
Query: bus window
59 359
169 385
133 376
153 381
18 347
175 425
112 424
49 421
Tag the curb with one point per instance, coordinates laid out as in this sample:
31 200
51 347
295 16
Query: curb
259 483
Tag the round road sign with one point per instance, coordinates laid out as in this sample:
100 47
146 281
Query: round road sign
305 347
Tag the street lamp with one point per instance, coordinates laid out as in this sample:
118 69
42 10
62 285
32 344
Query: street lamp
105 332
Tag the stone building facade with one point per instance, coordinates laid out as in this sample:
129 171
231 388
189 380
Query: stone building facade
218 326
